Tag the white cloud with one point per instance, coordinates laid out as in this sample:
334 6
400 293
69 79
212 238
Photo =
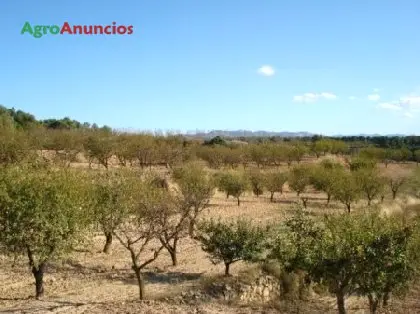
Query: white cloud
412 102
328 96
407 106
352 97
376 90
266 70
374 97
389 106
313 97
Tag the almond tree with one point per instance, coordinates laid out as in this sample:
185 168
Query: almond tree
274 182
230 242
100 146
171 151
15 147
370 183
397 179
141 225
368 254
112 195
176 218
125 149
299 179
67 144
195 188
234 184
324 176
146 148
43 213
256 179
385 263
346 189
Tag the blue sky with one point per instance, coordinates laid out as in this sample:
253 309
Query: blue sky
325 66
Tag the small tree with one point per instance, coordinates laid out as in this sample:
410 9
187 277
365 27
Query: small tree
413 184
384 262
323 178
15 147
112 195
67 144
176 218
294 243
370 183
100 146
196 188
274 182
232 157
359 163
321 147
125 149
417 156
397 180
335 257
143 223
212 155
43 213
229 242
346 189
299 179
256 178
234 184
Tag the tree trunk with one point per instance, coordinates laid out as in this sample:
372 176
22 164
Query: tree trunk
172 252
227 267
348 206
239 202
38 273
272 197
340 302
373 304
385 299
139 281
394 194
108 242
191 228
369 201
328 198
174 259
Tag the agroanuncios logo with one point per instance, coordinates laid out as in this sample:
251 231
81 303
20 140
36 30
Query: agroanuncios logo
38 31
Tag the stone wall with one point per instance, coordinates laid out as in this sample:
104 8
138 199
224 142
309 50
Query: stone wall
263 289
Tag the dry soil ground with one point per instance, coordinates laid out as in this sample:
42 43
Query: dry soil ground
89 281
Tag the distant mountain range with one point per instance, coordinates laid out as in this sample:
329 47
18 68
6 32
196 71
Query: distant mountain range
247 133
